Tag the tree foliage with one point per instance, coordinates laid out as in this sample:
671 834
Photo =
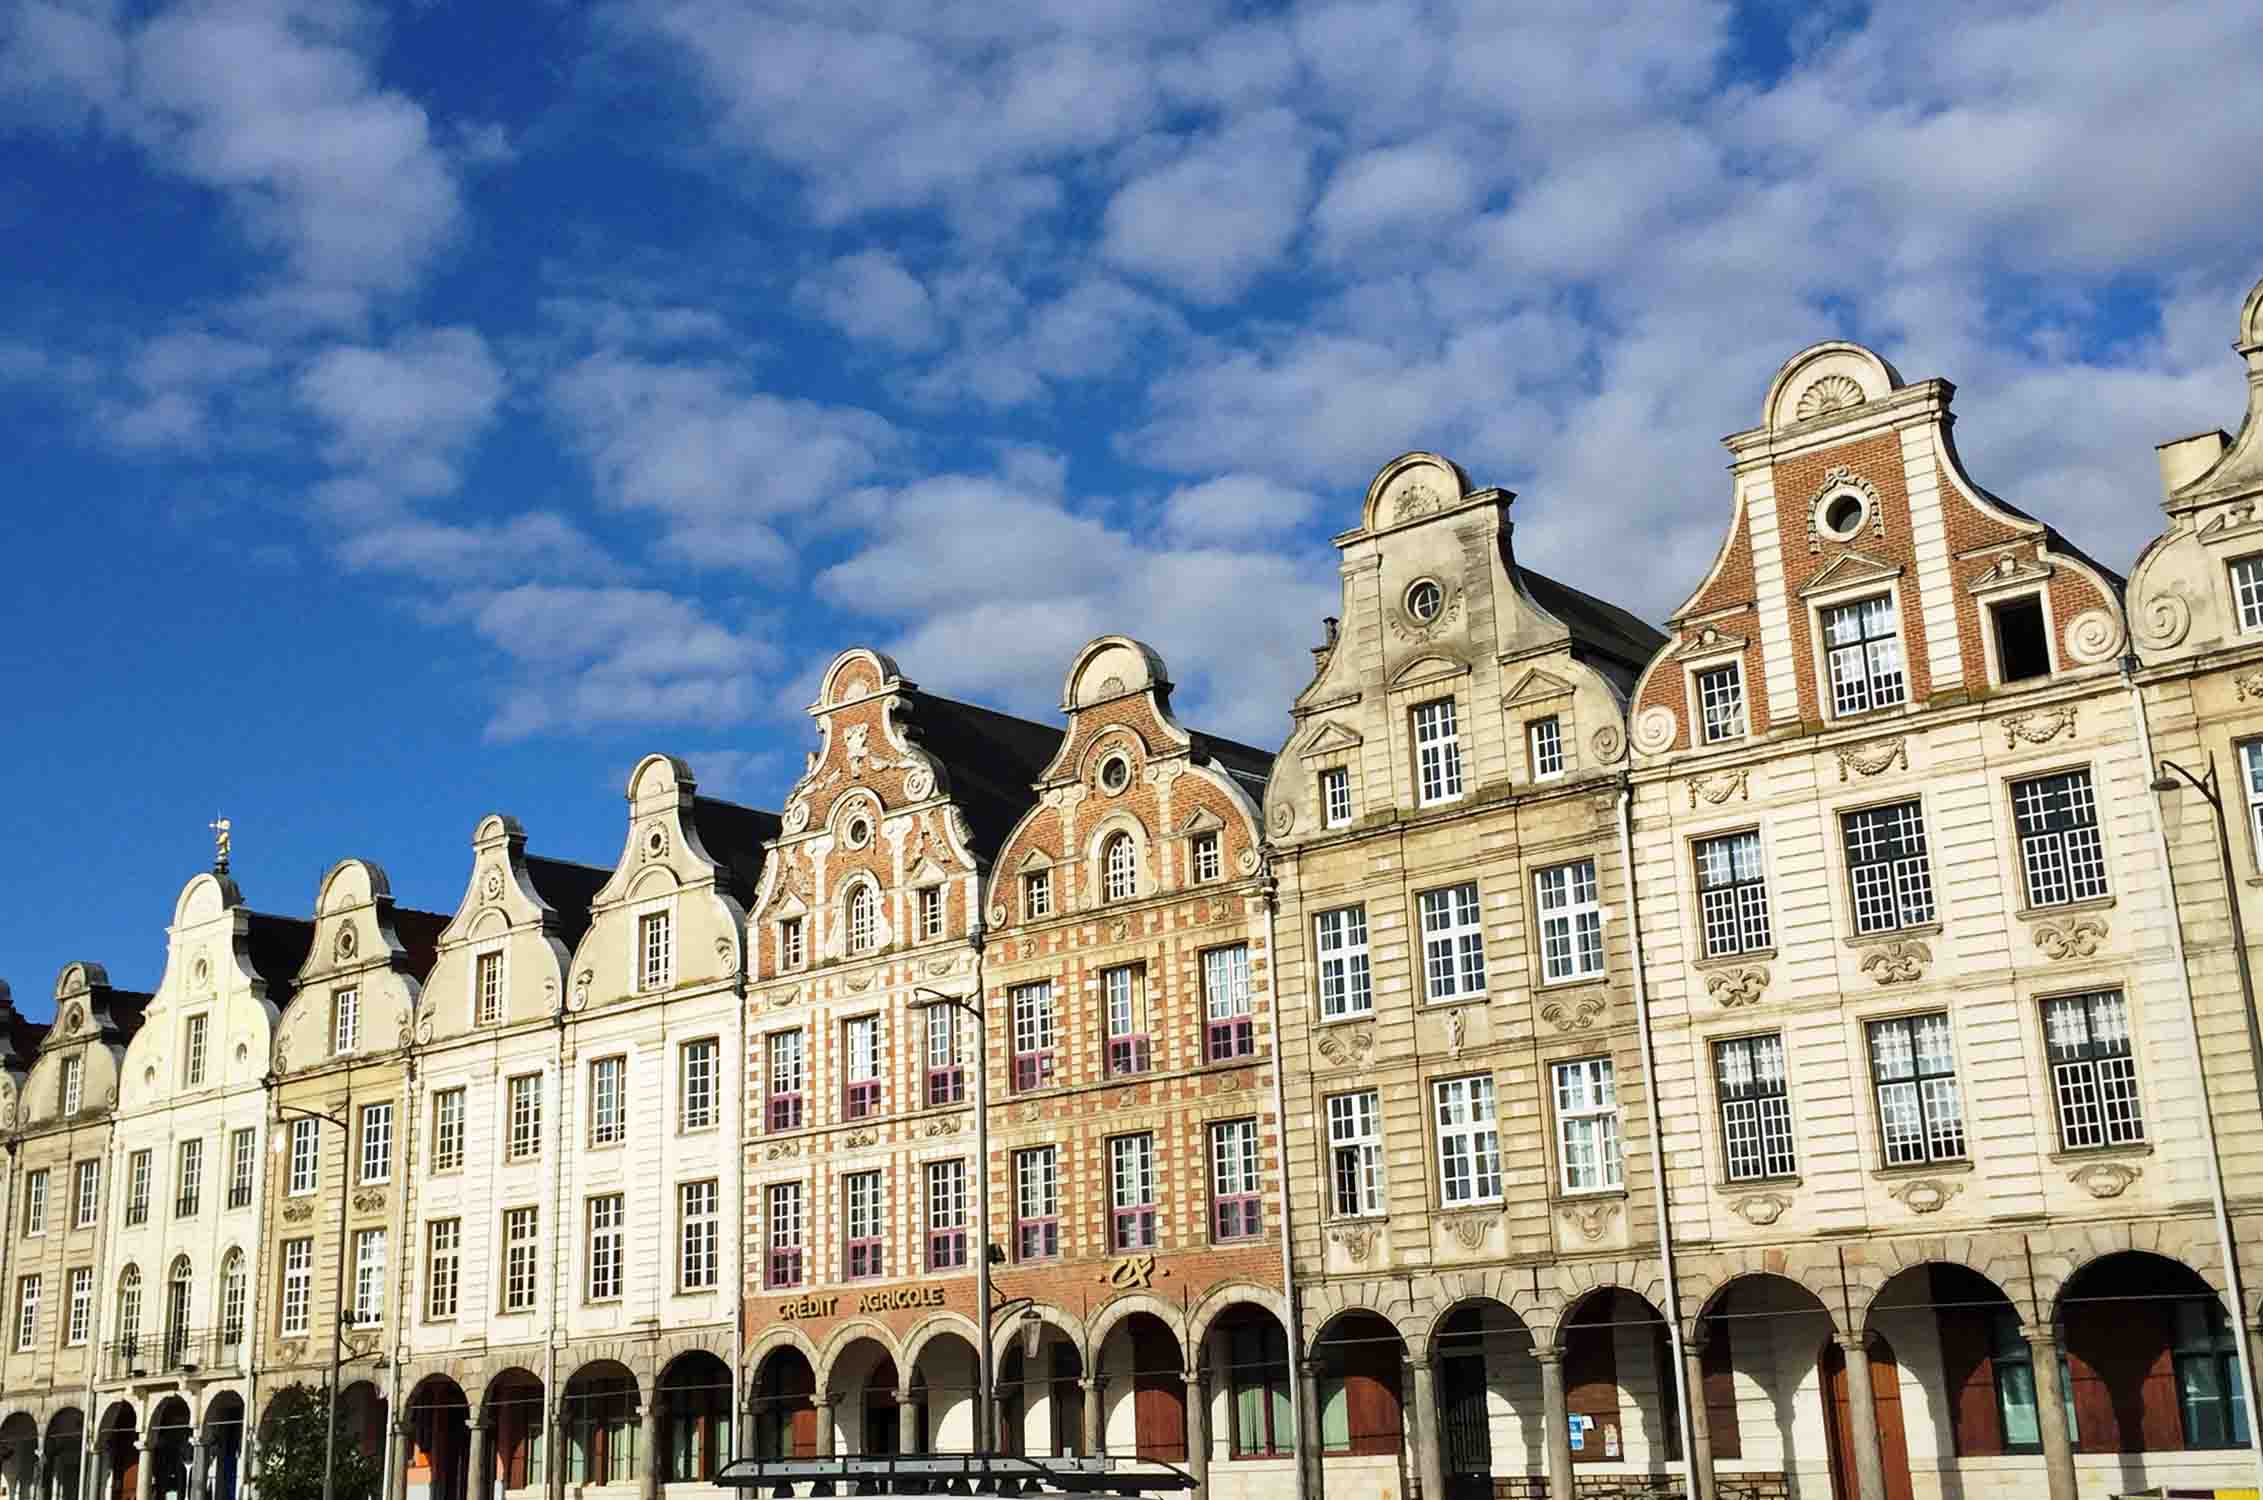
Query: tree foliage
291 1452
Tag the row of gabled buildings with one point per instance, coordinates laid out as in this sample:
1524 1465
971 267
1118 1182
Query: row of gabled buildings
1809 1052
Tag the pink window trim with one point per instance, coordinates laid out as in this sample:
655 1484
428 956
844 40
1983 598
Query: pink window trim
1237 1217
1134 1227
1128 1055
785 1111
1230 1038
1049 1233
946 1250
784 1268
861 1100
946 1086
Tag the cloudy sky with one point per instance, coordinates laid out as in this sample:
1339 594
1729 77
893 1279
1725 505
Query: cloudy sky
424 409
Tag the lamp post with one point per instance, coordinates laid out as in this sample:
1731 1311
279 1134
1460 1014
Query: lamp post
338 1291
2211 788
973 1007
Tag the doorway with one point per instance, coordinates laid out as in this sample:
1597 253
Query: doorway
1838 1426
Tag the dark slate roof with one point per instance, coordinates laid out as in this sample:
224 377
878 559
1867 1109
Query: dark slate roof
419 932
567 889
733 837
19 1036
1247 764
991 762
118 1012
278 947
1605 636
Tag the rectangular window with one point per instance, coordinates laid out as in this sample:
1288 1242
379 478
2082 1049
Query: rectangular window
188 1179
793 943
369 1277
1438 753
521 1245
603 1251
1339 938
1571 922
1453 944
1131 1192
701 1084
1587 1125
864 1225
1720 702
1207 863
243 1147
2247 593
298 1286
2093 1074
785 1078
81 1312
1756 1108
448 1130
946 1075
1037 893
1232 1029
377 1143
1864 649
1257 1386
699 1230
931 912
139 1172
2251 760
35 1202
1545 739
783 1267
2059 846
1234 1183
487 988
74 1085
443 1267
2023 641
1469 1141
306 1157
89 1194
27 1313
1888 868
608 1114
525 1092
1732 894
1126 1006
194 1042
2210 1394
345 1021
861 1091
1336 796
1037 1203
655 943
1914 1069
946 1215
1355 1153
1033 1035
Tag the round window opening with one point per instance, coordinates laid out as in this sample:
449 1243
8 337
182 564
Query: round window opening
1424 601
1115 773
860 833
1842 515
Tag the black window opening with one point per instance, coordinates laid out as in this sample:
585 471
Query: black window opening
2023 645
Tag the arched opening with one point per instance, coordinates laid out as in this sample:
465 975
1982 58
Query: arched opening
232 1295
66 1430
125 1342
785 1410
170 1430
361 1418
1246 1351
1620 1398
512 1414
944 1375
2151 1360
439 1460
603 1414
1756 1345
180 1292
224 1446
1141 1372
1489 1402
118 1452
862 1382
1119 862
1359 1357
695 1418
1981 1403
19 1456
1040 1395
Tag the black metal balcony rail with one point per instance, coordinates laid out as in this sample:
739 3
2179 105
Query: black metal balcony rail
175 1353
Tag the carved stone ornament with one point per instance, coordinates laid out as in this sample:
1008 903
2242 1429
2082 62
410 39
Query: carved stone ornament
1655 728
2165 618
1829 394
1407 628
73 1019
948 1125
1455 1023
941 966
369 1200
1415 500
1924 1195
1347 1046
857 1138
2070 937
1026 1114
1836 480
2094 636
785 997
998 914
1356 1240
1572 1012
1609 743
1735 987
782 1150
1284 816
727 953
582 982
1246 862
298 1213
1119 929
1719 788
1591 1219
655 843
1028 948
919 784
1761 1208
1123 1098
2105 1179
1897 962
797 815
349 943
1470 1230
2040 727
2249 685
491 884
1871 757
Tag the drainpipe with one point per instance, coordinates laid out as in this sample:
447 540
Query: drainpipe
1271 888
2200 1068
1657 1142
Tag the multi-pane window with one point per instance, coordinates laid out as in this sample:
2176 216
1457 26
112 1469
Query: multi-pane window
861 1093
1756 1107
1469 1140
1864 647
447 1130
1234 1184
784 1216
298 1286
35 1202
1732 894
377 1143
1336 796
129 1309
946 1215
1037 1203
1571 921
608 1113
2251 762
699 1232
234 1287
1232 1026
89 1194
1339 939
656 950
74 1085
946 1075
1914 1068
443 1266
369 1277
1437 753
27 1312
2093 1074
864 919
699 1083
604 1251
2247 592
2210 1393
1888 868
931 912
1355 1153
793 943
1720 703
863 1226
1453 944
1120 868
1587 1125
1033 1034
188 1179
195 1043
487 988
2059 847
345 1021
243 1149
1207 864
138 1175
525 1095
521 1246
80 1314
1125 1001
786 1076
1037 893
1545 739
1131 1192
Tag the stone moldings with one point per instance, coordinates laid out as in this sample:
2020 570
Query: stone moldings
1872 757
1897 962
1719 788
1761 1208
1572 1012
1829 394
1347 1046
1357 1241
1735 987
2105 1179
2070 937
1655 728
1924 1195
2095 636
2040 727
1470 1230
2166 618
1591 1219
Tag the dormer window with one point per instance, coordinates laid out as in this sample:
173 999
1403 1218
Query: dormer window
1037 894
2023 641
74 1085
1546 738
194 1045
656 947
1207 864
1336 796
487 988
931 912
1720 701
2247 593
345 1021
1864 643
1120 866
792 945
861 919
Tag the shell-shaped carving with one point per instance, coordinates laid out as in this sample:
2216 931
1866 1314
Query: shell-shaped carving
1829 394
2094 636
2165 618
1654 729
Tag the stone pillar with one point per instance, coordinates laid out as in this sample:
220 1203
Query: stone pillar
1093 1433
397 1472
1700 1424
145 1472
648 1438
1555 1421
824 1402
1198 1431
1312 1458
196 1469
2051 1412
39 1471
1862 1413
554 1445
1429 1464
479 1484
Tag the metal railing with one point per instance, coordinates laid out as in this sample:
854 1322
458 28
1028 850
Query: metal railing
175 1353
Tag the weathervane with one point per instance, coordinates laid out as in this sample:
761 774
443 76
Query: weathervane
219 827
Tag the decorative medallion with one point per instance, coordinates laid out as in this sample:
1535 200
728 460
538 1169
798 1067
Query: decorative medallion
491 884
2105 1179
1655 728
2094 636
1130 1273
727 953
2166 617
1355 1240
1572 1013
1416 631
1347 1046
655 841
859 1138
1247 861
369 1200
1591 1219
1838 481
349 942
1029 947
1123 1098
1871 757
1608 743
1829 394
1719 788
1416 500
2070 937
1897 962
859 982
998 915
941 966
919 784
1026 1114
1470 1229
1284 816
1118 930
1925 1195
1735 987
2040 727
73 1019
200 972
1761 1208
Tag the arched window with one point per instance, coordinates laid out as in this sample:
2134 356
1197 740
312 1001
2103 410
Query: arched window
1121 867
180 1286
861 919
232 1299
129 1310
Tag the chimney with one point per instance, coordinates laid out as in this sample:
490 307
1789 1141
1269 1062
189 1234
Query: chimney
2187 458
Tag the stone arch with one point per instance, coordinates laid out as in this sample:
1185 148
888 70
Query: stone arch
1113 1312
1704 1279
928 1329
1112 666
2207 1271
779 1336
1584 1280
1721 1291
1391 1300
1147 872
885 673
434 1383
1223 1298
1999 1259
838 1341
1066 1323
1537 1309
696 1416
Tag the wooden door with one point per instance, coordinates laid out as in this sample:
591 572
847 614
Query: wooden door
1159 1393
1838 1425
1465 1428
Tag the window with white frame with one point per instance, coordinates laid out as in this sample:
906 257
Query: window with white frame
234 1298
448 1130
699 1082
27 1312
195 1043
946 1215
1863 646
298 1286
243 1148
443 1267
487 988
1437 753
2247 592
1571 921
2093 1070
793 943
377 1143
931 911
786 1077
1453 944
524 1092
860 1095
864 918
1037 893
140 1173
1720 702
80 1325
656 948
1120 868
1913 1067
1124 999
1756 1107
1208 864
1033 1034
1131 1192
1469 1140
129 1310
699 1235
782 1202
608 1112
1587 1125
188 1178
1732 894
1339 940
2059 847
864 1226
35 1202
1232 1023
345 1021
1235 1188
306 1157
369 1277
946 1075
1355 1153
522 1243
89 1194
602 1252
1336 796
73 1085
1888 867
2251 765
1037 1203
1544 739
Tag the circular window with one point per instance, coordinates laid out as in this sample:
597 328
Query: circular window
859 832
1424 600
1843 515
1115 773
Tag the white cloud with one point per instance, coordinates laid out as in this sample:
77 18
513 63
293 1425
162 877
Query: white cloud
1237 506
538 544
1412 195
872 298
1212 220
400 417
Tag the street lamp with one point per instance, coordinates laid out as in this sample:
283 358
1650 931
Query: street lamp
973 1007
2211 788
338 1294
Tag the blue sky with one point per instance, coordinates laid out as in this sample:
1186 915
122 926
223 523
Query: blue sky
426 409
